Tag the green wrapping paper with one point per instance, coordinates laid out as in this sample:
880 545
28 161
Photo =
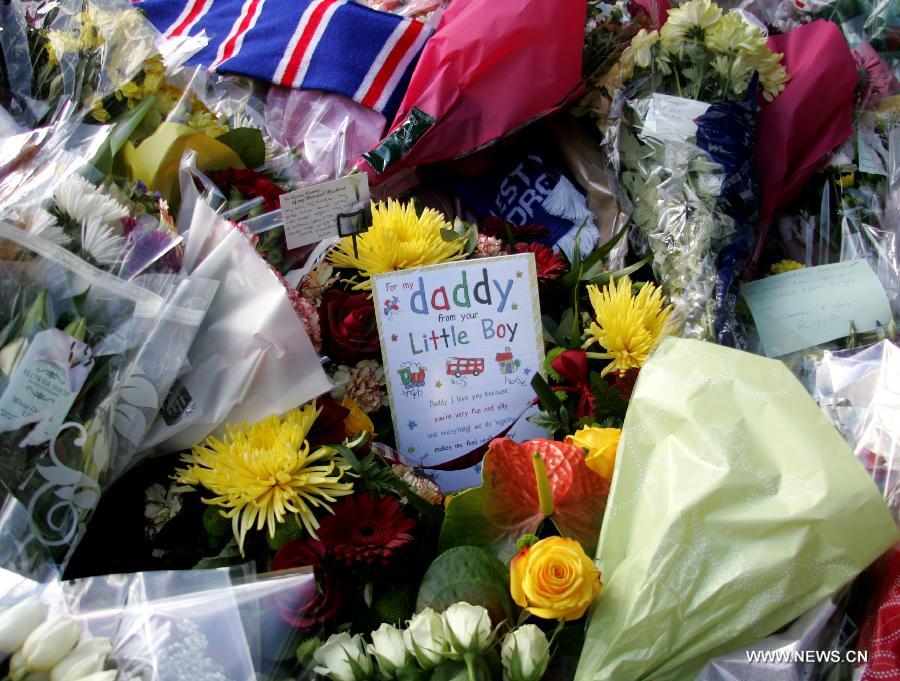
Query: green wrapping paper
735 507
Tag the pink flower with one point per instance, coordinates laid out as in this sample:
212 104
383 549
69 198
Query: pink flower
363 383
877 81
488 246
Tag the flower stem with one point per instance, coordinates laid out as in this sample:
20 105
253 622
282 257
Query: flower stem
470 666
545 494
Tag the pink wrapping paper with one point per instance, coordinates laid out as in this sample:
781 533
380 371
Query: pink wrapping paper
810 118
492 66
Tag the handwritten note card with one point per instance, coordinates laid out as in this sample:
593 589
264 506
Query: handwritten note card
803 308
461 343
310 213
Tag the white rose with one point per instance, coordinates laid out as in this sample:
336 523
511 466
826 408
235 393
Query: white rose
344 658
389 650
425 638
88 658
49 643
468 628
108 675
17 622
525 654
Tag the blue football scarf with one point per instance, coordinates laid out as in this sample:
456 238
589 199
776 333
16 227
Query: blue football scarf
334 45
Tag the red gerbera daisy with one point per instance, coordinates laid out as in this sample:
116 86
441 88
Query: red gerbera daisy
550 265
366 528
315 601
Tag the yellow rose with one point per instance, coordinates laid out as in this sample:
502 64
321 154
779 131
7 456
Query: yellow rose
601 445
357 421
554 579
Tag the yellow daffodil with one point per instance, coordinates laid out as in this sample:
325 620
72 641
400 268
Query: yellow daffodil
131 92
398 239
207 123
628 326
260 473
98 112
786 266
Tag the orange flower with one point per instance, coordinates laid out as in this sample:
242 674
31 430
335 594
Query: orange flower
554 579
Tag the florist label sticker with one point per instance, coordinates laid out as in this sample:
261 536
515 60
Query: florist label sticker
803 308
310 214
44 384
461 342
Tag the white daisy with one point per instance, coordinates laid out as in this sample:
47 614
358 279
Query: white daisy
84 203
37 221
101 243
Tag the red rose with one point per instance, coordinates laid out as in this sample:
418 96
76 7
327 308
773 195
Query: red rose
328 428
349 330
314 601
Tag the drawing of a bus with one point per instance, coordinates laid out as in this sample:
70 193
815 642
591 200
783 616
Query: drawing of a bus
412 379
460 366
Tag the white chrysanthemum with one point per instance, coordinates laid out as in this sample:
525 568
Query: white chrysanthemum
85 204
693 17
37 221
101 243
640 51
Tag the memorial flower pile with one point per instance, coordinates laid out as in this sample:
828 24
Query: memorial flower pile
447 341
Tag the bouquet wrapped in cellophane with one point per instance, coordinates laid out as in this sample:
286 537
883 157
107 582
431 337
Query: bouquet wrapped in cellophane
207 624
683 130
86 361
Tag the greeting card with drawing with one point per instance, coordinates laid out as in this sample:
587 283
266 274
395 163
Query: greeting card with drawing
461 342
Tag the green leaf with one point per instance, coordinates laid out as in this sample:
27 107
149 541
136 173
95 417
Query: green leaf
471 574
606 276
450 235
548 400
609 400
246 143
594 264
230 555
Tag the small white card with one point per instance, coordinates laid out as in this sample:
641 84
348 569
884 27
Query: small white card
310 214
804 308
672 118
44 384
461 342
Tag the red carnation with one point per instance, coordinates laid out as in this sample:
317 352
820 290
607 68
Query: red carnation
550 265
366 529
249 183
348 321
315 601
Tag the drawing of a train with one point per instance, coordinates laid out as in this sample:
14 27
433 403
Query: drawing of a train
461 366
412 379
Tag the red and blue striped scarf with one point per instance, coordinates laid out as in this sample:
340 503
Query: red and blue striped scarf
333 45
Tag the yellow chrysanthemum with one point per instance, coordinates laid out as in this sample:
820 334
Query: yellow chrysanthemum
786 266
628 326
690 20
397 240
260 473
207 123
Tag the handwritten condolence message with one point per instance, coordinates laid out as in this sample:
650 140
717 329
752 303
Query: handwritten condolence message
461 342
803 308
310 213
